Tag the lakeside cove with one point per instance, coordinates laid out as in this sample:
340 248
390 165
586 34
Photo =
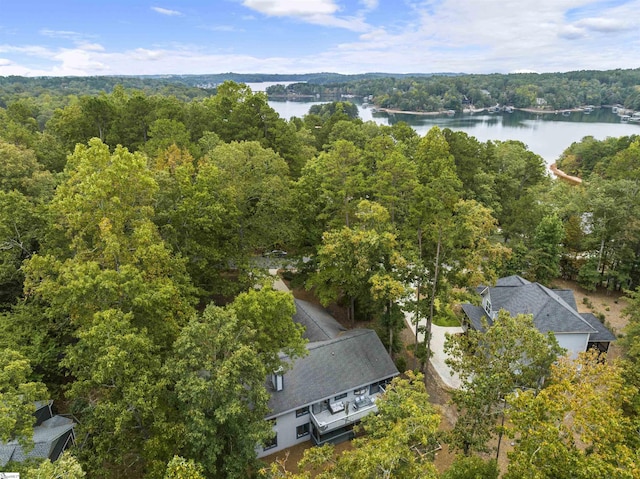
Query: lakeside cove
545 133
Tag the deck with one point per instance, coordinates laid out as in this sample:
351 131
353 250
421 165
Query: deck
343 415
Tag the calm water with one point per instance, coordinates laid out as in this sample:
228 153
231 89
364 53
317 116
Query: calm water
548 135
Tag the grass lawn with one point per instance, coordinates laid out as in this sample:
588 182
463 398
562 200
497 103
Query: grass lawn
447 321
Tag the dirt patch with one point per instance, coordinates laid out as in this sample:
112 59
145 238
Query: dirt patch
291 456
574 180
601 301
609 303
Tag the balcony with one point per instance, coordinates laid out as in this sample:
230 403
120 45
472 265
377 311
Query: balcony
343 413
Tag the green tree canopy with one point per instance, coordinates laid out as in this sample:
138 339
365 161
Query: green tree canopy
18 396
353 259
66 466
511 354
220 394
576 426
269 313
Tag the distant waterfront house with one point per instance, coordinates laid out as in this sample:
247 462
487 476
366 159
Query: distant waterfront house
331 389
52 435
552 309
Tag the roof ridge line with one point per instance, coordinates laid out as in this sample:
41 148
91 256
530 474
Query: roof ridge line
557 298
342 337
300 301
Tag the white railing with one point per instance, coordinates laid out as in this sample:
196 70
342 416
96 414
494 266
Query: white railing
326 421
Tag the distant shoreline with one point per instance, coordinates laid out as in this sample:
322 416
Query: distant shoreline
404 112
467 110
394 111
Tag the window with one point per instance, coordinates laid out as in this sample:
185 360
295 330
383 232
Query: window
379 386
340 396
302 411
273 442
360 392
276 381
302 430
487 307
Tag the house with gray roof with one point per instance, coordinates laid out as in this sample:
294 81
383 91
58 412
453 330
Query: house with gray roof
552 309
324 394
52 435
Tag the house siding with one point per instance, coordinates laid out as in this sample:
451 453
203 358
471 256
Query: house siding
285 427
286 424
574 343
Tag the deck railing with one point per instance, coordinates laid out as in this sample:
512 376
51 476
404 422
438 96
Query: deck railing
326 421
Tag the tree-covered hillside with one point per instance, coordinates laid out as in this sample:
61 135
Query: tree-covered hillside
455 92
131 225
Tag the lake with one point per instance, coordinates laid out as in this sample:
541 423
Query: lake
546 134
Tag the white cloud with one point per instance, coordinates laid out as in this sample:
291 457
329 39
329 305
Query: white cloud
370 4
604 25
439 35
70 35
494 35
166 11
74 61
355 24
36 51
317 12
222 28
289 8
571 32
96 47
146 55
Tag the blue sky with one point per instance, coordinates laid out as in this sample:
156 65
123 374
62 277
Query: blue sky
84 37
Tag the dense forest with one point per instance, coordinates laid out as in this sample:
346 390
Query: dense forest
455 92
408 92
130 223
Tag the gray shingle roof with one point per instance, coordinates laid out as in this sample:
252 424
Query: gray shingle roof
44 438
319 324
475 315
567 296
603 334
550 311
513 280
355 359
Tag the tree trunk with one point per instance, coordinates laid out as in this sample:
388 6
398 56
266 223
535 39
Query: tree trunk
600 265
416 319
352 311
427 334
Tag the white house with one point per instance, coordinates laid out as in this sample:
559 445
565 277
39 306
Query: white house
323 395
552 309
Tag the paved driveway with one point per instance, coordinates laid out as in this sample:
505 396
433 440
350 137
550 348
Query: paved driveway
438 336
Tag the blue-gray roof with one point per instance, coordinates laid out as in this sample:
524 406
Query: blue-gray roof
603 334
45 437
318 323
513 280
476 315
552 310
353 360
